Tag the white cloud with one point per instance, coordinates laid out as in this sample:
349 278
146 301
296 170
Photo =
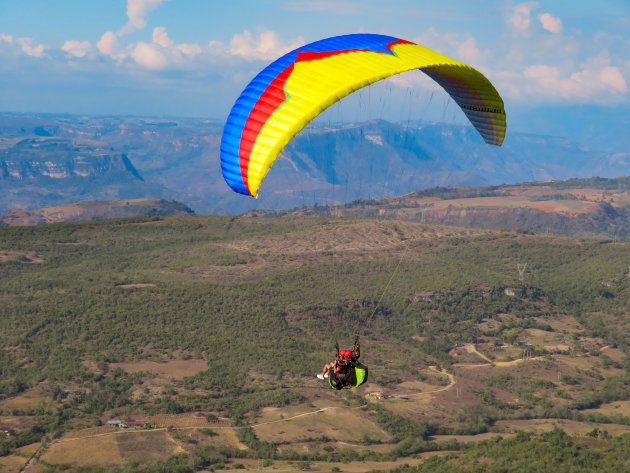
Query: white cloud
161 37
550 23
596 80
137 11
527 64
76 48
267 46
542 73
469 52
520 17
612 77
462 47
108 43
191 49
411 80
28 47
25 45
149 56
161 53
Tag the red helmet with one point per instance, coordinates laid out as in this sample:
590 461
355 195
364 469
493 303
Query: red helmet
345 353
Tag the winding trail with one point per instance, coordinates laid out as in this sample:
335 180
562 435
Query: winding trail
470 348
451 383
304 414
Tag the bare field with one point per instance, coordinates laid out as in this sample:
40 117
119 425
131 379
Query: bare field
147 446
620 408
332 423
576 362
569 426
20 256
548 340
281 414
106 446
29 450
614 353
112 448
100 450
176 369
561 323
17 422
27 400
223 436
12 463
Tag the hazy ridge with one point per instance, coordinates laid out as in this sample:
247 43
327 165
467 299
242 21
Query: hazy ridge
325 164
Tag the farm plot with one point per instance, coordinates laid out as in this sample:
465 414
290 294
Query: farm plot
101 449
114 448
12 463
335 423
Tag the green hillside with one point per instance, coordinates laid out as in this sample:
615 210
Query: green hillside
199 323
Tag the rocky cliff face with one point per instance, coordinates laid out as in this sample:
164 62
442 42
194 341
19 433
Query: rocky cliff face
30 159
44 171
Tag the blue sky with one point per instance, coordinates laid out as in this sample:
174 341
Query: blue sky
193 57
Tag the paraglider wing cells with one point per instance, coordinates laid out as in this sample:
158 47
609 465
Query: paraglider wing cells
285 96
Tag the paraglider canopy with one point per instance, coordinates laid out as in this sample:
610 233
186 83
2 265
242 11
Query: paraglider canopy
285 96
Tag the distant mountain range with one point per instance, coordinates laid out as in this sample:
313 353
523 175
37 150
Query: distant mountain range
50 160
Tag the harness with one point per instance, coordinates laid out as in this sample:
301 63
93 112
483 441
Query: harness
352 374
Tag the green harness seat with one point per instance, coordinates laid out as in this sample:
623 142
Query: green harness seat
351 376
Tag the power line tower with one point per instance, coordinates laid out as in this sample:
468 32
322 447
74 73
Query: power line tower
521 270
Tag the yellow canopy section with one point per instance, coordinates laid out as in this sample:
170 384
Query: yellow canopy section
294 95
